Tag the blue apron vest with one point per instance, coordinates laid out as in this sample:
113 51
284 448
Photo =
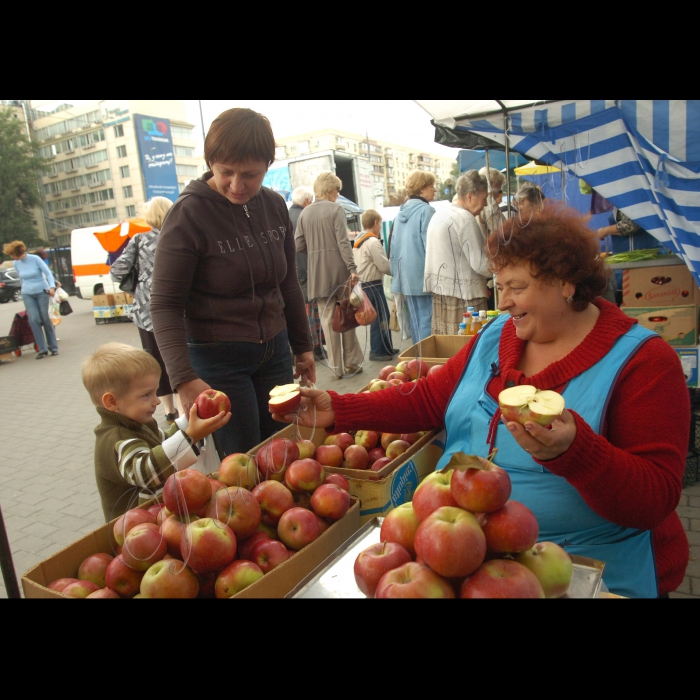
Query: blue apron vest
562 514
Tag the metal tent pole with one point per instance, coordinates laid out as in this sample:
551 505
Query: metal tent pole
8 568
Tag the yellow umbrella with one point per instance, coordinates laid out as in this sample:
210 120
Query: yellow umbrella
113 239
533 169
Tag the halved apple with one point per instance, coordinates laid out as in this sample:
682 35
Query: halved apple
525 403
285 399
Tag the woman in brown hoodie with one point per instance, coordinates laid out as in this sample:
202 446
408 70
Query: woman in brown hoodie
226 303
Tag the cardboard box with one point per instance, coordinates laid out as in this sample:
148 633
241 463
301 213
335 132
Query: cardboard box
677 325
120 299
437 348
99 300
689 362
104 311
669 285
275 584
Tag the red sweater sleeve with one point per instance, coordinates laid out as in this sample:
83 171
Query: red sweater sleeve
632 474
421 406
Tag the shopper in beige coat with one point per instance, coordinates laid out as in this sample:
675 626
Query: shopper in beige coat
322 234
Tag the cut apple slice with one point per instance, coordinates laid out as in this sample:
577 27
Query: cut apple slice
285 399
525 403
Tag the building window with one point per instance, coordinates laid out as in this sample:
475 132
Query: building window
121 151
187 170
181 132
118 130
184 151
303 148
128 192
124 171
131 210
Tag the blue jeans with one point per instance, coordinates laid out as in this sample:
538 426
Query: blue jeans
379 333
37 306
245 372
420 310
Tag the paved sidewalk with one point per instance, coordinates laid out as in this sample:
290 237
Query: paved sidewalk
47 484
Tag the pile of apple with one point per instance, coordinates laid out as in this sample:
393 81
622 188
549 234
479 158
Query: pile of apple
212 537
461 536
406 371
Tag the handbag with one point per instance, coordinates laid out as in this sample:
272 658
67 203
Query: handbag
64 308
344 313
131 278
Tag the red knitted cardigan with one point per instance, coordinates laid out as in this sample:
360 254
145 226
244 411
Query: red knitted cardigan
631 474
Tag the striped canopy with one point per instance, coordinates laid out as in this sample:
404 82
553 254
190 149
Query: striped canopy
643 156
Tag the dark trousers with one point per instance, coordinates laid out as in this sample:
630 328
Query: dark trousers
245 372
380 342
148 343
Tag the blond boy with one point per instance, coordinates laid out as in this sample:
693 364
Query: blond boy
133 456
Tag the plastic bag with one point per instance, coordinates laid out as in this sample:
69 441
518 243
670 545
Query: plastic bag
365 313
55 309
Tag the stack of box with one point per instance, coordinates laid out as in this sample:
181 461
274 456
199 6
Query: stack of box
112 308
665 300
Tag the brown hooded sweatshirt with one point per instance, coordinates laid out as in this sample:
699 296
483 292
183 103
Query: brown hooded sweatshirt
225 272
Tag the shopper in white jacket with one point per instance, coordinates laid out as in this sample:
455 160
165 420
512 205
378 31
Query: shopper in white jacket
456 266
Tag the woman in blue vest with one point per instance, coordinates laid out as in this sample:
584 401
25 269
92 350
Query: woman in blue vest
605 480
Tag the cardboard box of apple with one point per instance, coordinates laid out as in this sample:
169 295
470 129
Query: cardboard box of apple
214 537
462 535
404 372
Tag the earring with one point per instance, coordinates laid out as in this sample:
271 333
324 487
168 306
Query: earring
569 299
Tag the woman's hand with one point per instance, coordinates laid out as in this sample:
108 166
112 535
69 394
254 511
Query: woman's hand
543 443
305 367
316 410
189 391
52 291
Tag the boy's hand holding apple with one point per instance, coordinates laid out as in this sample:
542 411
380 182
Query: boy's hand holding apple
205 417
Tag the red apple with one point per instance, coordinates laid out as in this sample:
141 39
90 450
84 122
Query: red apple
143 546
275 456
274 498
402 366
306 474
481 489
94 567
122 579
186 492
306 448
342 440
372 563
330 501
211 402
525 403
80 589
104 593
411 438
387 438
269 530
381 463
395 382
323 524
433 493
396 448
397 375
60 583
284 399
245 548
552 566
451 542
235 577
329 455
374 454
236 508
434 370
367 438
155 509
172 529
339 480
413 580
208 545
207 584
400 526
378 385
216 485
501 578
268 554
169 579
384 372
163 515
129 520
297 527
417 369
356 456
512 528
238 469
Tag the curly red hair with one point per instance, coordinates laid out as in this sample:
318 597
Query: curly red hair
558 245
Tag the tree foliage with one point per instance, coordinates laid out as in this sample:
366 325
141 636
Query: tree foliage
20 168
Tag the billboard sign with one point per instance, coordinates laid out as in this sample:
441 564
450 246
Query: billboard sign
157 157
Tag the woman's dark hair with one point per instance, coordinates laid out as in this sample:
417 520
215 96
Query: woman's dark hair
558 245
239 134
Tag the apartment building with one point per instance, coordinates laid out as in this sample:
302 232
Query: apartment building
109 157
391 163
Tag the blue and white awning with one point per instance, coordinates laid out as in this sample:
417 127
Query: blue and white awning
641 155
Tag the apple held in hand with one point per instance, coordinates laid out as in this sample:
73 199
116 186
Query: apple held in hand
400 526
235 577
501 578
169 579
552 566
94 567
208 545
211 402
510 529
483 488
413 580
372 563
525 403
285 399
186 492
238 469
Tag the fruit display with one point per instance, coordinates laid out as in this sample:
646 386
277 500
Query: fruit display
463 537
214 547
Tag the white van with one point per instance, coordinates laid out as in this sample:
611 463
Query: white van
89 261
